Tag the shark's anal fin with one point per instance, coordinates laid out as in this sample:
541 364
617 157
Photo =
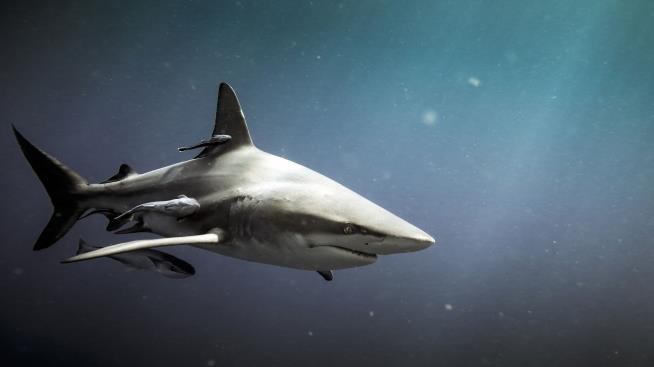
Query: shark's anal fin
229 121
214 237
108 213
328 275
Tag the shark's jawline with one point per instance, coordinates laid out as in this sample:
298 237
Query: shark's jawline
354 252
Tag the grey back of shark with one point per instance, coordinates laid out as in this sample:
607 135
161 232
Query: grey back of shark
147 259
252 205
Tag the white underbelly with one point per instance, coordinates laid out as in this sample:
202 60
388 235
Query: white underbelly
297 257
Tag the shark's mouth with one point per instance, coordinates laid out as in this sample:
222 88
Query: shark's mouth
355 252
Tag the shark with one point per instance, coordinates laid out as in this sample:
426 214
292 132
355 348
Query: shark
251 205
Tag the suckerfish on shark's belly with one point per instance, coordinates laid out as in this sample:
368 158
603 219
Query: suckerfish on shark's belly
152 260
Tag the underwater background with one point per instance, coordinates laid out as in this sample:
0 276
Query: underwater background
519 134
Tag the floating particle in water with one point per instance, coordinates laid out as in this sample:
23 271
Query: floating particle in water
371 313
429 117
511 57
310 333
474 82
211 362
449 307
18 271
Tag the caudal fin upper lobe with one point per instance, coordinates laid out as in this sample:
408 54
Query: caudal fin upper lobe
64 186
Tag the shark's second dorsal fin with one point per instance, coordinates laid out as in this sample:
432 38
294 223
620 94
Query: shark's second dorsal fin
229 121
123 172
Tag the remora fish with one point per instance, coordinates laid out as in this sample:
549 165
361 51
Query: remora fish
181 207
254 205
153 260
214 140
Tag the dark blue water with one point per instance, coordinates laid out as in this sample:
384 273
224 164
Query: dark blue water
520 134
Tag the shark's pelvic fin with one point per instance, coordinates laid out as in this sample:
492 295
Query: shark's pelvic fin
111 217
116 223
136 228
124 171
203 239
229 121
108 213
328 275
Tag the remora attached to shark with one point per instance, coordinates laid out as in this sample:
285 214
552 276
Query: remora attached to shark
251 205
148 259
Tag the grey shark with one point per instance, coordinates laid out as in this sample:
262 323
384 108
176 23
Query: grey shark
253 205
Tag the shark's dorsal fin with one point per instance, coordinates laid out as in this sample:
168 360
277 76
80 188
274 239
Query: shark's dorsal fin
229 121
123 172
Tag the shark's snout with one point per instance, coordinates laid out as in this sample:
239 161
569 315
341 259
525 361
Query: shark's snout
405 243
419 242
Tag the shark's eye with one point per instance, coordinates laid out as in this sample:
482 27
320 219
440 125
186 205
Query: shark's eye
349 228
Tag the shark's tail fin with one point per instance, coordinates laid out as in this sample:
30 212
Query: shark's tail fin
64 186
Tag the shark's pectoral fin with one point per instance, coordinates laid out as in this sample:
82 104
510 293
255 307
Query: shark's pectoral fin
204 239
328 275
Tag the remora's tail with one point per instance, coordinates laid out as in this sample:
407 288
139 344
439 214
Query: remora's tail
64 186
